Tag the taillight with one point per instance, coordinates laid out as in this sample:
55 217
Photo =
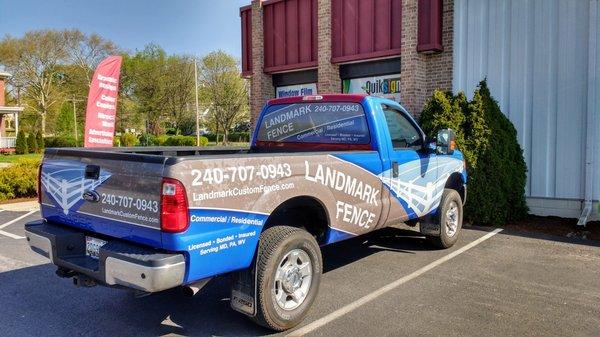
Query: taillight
39 185
174 211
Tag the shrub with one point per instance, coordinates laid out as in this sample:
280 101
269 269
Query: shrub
60 141
148 139
40 140
128 139
19 180
203 141
162 140
238 137
211 137
21 143
180 141
488 140
32 144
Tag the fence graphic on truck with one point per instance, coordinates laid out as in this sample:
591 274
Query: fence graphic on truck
65 183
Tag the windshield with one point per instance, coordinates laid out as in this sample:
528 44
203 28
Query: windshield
327 123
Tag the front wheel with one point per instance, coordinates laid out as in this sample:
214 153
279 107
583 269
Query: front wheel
288 272
450 218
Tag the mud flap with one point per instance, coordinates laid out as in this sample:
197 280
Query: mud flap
243 291
429 228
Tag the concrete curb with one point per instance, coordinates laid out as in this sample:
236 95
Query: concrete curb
25 206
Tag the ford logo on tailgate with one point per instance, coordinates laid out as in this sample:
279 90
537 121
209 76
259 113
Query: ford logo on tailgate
91 196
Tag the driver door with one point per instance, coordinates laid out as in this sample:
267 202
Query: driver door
411 178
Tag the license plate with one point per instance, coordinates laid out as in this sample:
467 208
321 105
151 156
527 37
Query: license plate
92 246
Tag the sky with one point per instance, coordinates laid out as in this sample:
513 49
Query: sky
194 27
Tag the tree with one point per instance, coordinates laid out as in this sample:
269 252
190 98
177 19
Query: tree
33 60
180 91
85 52
49 66
224 90
65 123
144 80
40 140
32 146
21 143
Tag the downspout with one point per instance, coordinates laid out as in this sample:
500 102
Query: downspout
590 127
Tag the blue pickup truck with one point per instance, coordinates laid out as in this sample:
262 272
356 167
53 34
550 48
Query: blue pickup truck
320 169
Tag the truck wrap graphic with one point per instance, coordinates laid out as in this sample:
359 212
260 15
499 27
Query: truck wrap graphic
127 196
65 183
231 199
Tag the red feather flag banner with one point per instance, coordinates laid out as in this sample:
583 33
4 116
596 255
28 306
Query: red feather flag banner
102 103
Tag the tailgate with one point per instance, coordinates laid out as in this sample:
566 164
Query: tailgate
111 193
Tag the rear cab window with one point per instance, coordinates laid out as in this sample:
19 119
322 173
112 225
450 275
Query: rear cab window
315 123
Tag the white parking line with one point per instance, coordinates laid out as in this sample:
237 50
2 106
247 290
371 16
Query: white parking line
368 298
11 235
17 219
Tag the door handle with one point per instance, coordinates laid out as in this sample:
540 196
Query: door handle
395 169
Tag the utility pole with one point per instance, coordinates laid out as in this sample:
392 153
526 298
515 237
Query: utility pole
74 101
197 106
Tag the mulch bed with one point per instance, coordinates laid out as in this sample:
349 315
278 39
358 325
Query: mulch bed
556 226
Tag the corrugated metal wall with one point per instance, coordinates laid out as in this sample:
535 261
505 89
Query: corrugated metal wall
542 60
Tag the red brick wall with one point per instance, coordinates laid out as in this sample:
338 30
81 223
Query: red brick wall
261 84
439 66
423 73
420 73
328 73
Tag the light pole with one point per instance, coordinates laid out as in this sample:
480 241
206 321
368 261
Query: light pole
197 107
74 100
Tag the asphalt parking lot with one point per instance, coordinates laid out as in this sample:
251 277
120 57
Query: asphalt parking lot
389 283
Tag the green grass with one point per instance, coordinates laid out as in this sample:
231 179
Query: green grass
11 158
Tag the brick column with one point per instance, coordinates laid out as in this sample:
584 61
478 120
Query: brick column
328 73
413 68
261 84
440 66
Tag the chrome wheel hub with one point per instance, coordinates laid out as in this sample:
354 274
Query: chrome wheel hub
451 224
292 279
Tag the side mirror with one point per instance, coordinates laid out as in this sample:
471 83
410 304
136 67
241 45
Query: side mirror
446 141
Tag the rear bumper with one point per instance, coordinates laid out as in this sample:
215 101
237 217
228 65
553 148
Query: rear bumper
119 263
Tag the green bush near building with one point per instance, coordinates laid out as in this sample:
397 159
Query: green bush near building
488 140
19 180
21 143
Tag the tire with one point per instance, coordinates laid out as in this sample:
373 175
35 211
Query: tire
280 305
449 228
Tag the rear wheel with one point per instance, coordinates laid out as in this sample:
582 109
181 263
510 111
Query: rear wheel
289 269
449 218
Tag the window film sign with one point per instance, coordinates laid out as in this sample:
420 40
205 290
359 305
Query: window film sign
327 123
296 90
381 86
102 103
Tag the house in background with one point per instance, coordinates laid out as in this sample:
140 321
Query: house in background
9 120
